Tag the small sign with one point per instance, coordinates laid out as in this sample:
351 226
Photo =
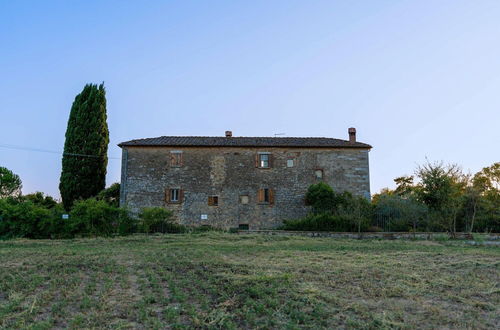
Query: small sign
204 216
65 216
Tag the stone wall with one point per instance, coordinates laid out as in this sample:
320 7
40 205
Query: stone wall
229 173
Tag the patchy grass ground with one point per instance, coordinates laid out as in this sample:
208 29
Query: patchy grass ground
219 280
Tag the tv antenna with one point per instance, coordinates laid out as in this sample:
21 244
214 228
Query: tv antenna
276 134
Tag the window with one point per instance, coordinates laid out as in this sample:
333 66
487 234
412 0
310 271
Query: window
263 160
318 174
244 199
265 196
290 162
174 195
243 226
176 158
213 200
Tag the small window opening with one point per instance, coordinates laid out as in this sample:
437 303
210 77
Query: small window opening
244 199
319 174
266 195
213 200
174 195
243 226
290 163
176 158
264 160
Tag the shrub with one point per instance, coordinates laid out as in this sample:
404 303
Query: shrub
400 213
328 222
39 198
158 220
111 195
320 196
97 218
333 211
23 218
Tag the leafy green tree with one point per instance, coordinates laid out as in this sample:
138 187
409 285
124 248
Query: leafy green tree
400 213
39 198
405 185
111 195
10 183
484 199
321 197
85 150
442 188
488 179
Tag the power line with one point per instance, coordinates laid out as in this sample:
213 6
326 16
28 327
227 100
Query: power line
9 146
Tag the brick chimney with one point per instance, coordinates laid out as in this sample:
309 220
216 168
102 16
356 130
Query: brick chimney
229 134
352 135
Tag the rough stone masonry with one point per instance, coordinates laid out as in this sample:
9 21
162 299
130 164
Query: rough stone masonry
238 182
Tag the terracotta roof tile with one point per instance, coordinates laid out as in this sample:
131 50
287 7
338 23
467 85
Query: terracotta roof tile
219 141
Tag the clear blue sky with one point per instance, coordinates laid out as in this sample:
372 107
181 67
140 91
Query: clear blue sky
416 78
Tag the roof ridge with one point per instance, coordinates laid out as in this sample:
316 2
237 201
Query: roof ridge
233 137
245 141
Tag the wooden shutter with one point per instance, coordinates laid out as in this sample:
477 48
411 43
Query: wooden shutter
260 196
181 195
270 157
271 196
167 195
257 160
181 159
210 201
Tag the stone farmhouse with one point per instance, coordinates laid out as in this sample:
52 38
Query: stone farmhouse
242 182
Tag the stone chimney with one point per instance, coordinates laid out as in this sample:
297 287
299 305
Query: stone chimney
229 134
352 135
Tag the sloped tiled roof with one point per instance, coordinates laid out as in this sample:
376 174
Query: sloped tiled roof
220 141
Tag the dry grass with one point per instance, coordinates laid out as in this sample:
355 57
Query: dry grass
216 280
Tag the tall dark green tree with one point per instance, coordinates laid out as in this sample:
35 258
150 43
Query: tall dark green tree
85 150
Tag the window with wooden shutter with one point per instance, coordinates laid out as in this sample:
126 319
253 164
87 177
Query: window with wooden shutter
263 160
260 196
213 200
174 195
271 196
176 158
265 196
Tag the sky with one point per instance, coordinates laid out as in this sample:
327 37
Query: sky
420 80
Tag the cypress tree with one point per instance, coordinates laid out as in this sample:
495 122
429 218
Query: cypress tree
85 149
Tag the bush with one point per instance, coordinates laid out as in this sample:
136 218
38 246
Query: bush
40 199
93 217
23 218
158 220
321 197
400 213
328 222
111 195
333 211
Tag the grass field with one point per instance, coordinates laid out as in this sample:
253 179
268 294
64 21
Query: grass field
218 280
